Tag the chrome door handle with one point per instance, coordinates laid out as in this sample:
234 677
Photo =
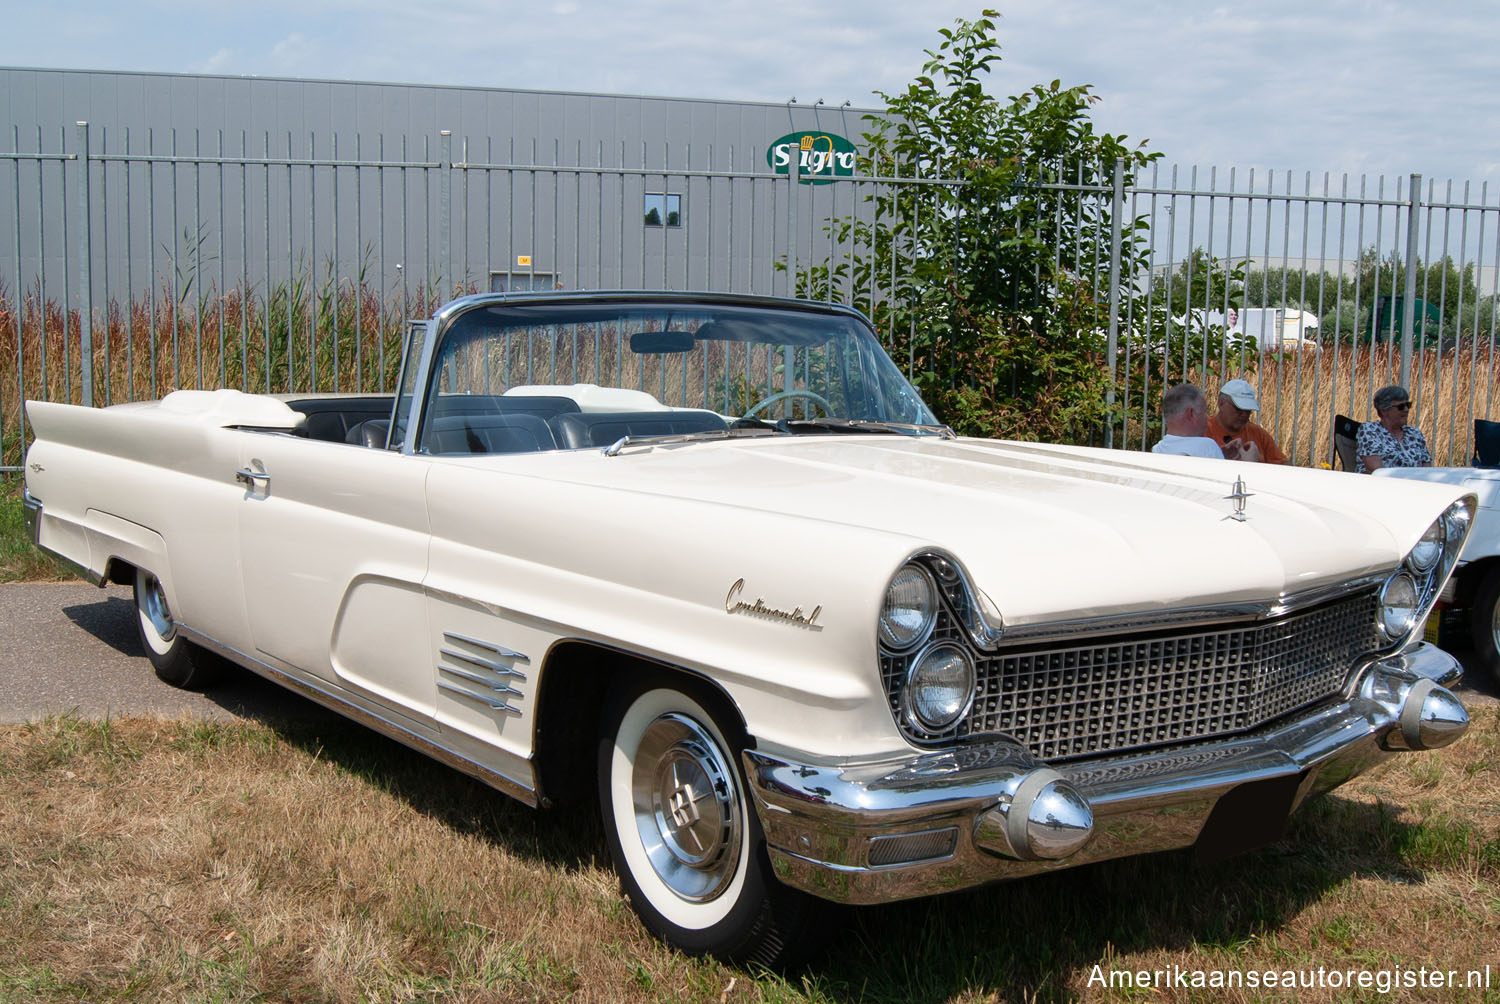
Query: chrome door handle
248 477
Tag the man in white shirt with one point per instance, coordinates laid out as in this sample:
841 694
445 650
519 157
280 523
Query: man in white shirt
1184 411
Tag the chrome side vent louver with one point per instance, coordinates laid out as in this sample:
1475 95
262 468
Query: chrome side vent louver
481 672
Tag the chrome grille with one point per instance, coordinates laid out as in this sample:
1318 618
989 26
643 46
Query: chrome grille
1119 693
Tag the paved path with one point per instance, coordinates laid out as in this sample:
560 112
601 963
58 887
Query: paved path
71 647
68 646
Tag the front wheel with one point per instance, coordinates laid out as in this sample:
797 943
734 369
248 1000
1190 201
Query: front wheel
689 852
1484 623
176 660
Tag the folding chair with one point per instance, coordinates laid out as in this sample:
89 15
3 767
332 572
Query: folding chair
1486 443
1345 429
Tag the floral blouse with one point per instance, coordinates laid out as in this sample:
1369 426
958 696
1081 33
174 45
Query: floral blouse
1375 439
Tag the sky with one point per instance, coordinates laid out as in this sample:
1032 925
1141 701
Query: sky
1339 86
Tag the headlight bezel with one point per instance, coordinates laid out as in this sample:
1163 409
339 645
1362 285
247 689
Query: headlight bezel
889 637
1446 535
964 689
964 618
1402 580
1430 549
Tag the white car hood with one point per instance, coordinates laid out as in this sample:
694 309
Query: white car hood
1047 532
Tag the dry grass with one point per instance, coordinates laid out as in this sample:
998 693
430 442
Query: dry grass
310 860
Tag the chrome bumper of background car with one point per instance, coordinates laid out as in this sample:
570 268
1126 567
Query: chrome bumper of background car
940 821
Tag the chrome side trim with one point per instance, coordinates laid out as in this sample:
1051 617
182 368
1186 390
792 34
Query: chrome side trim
487 702
491 685
499 650
476 678
482 663
369 719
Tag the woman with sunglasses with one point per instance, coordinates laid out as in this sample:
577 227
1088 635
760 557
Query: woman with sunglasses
1390 442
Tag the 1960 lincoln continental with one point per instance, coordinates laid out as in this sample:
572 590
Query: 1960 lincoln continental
712 558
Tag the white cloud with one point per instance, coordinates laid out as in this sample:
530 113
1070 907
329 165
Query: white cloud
219 62
293 53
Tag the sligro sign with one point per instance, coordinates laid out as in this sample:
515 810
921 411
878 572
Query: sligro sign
822 158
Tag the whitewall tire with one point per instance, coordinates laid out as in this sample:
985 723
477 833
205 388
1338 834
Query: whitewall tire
682 832
176 660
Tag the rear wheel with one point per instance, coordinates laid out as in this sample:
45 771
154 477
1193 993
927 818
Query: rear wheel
1484 622
689 851
176 660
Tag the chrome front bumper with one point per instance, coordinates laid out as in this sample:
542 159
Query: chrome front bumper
941 821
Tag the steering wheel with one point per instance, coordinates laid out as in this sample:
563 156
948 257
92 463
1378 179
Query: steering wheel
817 399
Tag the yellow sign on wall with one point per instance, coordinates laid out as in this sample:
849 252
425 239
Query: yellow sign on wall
523 259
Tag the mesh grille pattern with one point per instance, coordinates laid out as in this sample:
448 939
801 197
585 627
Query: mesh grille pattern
1120 693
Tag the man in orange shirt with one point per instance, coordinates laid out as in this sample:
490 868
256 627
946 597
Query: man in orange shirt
1232 429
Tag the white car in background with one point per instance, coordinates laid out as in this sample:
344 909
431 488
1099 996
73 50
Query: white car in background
710 560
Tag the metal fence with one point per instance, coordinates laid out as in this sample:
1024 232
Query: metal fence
136 265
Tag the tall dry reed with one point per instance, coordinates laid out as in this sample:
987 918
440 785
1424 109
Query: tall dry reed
333 335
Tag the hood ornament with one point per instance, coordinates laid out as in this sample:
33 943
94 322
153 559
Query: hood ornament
1238 495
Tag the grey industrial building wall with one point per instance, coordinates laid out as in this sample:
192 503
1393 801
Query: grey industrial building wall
189 172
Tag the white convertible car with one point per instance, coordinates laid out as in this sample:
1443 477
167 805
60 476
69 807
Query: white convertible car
712 558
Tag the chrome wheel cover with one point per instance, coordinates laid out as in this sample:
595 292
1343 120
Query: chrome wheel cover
686 807
154 606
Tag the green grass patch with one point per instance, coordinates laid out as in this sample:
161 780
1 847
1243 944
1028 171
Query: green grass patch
20 559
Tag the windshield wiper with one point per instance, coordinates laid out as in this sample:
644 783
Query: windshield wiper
869 425
671 438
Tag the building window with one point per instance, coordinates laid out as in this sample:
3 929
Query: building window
519 282
663 210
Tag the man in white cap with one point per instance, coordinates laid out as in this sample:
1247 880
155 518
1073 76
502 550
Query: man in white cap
1231 428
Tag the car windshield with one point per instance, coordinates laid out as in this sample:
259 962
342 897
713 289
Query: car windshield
522 376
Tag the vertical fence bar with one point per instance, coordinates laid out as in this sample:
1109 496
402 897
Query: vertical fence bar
1458 313
129 282
67 268
1409 306
104 253
244 296
266 219
313 299
176 265
445 210
196 282
84 281
223 253
292 297
15 134
1116 210
151 282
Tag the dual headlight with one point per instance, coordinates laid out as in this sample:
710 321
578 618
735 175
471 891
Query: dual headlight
1410 591
939 676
